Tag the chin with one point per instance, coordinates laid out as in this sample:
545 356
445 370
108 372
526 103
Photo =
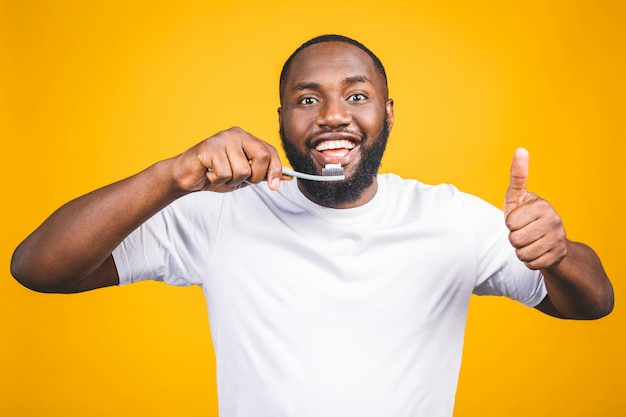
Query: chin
339 193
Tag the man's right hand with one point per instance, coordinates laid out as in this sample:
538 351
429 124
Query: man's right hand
71 250
227 161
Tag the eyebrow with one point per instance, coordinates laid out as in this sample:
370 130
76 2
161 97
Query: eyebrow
307 86
316 86
356 79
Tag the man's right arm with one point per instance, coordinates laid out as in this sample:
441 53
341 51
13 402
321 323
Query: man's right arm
71 250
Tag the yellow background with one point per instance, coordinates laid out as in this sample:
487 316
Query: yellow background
92 92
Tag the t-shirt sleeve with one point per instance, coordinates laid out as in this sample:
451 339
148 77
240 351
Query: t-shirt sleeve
498 270
172 246
515 281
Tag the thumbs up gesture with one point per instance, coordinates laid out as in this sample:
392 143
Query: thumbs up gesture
536 230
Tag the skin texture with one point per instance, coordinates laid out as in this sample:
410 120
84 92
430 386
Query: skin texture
71 250
333 96
334 93
577 284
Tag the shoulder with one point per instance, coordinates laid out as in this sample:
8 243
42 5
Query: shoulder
438 197
399 187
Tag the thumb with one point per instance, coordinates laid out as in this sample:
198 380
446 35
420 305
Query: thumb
516 193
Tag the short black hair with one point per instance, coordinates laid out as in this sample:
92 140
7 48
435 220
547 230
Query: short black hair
378 65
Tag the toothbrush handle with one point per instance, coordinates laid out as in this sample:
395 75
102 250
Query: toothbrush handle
310 177
304 176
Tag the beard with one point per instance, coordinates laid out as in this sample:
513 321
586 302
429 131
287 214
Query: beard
338 193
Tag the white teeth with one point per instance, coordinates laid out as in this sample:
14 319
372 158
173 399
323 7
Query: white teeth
334 144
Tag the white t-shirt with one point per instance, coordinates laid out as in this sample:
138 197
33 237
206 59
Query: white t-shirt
333 313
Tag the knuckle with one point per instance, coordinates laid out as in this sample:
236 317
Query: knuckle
531 265
273 151
235 129
225 135
271 148
215 140
242 172
521 254
264 154
220 179
514 240
518 238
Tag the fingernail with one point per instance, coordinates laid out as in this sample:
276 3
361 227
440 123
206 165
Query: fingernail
275 184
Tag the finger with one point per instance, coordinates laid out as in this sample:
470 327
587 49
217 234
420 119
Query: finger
541 260
266 164
516 192
531 252
219 170
533 209
258 155
275 171
525 236
239 166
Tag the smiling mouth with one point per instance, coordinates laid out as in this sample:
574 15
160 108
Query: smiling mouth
331 145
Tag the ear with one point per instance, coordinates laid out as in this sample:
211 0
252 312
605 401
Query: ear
280 116
389 113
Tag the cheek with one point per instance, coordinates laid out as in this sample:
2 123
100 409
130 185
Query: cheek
296 126
373 124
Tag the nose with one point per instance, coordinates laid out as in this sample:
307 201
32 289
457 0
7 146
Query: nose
333 113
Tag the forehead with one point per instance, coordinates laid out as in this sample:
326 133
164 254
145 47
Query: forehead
328 61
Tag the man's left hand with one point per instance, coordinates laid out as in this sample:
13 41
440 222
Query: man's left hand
536 229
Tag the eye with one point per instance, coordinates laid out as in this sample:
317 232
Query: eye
307 101
357 97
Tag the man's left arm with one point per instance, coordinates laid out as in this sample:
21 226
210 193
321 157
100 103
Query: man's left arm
578 287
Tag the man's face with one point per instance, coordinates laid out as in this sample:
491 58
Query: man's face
335 111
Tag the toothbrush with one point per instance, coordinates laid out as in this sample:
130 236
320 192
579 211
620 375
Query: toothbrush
331 172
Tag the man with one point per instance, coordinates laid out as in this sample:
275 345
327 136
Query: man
325 299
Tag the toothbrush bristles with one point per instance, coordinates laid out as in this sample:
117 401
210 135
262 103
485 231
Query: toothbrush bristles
332 170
